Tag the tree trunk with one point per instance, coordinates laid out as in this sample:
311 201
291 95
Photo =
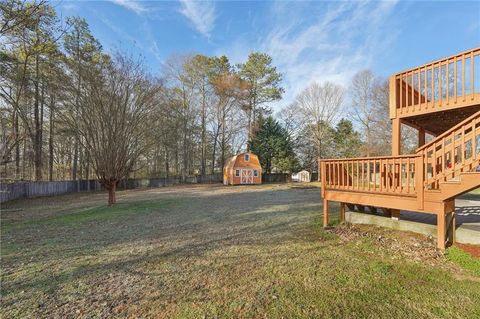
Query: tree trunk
37 143
185 153
167 163
87 164
24 151
50 138
112 187
177 161
214 151
223 139
155 160
75 160
203 164
17 146
249 135
319 179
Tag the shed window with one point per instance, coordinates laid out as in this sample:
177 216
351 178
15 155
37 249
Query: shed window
237 172
247 157
255 173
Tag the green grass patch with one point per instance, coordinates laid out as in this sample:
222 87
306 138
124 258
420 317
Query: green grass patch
381 267
464 259
96 214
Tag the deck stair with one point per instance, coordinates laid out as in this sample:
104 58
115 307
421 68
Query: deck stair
447 190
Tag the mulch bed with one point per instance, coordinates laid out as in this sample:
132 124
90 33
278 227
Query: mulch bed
401 244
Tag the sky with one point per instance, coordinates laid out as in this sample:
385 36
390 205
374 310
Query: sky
308 41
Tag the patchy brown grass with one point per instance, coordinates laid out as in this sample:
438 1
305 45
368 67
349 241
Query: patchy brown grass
214 251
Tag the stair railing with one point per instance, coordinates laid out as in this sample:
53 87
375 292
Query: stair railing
455 151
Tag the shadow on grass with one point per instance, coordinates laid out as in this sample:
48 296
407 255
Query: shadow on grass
193 225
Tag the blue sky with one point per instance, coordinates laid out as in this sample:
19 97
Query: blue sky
309 41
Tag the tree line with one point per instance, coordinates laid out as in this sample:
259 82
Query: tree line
70 110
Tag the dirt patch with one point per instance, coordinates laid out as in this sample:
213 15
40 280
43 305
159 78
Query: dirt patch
473 250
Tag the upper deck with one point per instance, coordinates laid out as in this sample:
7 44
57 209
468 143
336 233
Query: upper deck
449 87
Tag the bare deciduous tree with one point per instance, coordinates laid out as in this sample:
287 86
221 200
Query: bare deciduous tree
371 109
363 106
229 90
113 118
319 105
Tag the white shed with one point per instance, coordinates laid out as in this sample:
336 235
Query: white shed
302 176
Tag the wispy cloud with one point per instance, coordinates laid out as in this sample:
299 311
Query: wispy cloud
132 5
145 44
329 42
201 14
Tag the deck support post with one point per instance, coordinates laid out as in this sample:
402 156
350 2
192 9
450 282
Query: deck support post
449 208
392 213
396 136
342 212
421 136
451 228
325 213
441 230
395 214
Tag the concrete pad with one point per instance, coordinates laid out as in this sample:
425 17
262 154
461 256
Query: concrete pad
464 234
404 225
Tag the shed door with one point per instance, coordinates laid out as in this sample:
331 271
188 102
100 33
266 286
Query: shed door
246 176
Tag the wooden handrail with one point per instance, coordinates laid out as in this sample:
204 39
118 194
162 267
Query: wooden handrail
369 158
451 153
380 175
446 133
440 60
443 84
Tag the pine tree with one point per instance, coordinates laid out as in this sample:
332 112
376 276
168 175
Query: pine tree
263 82
273 146
346 140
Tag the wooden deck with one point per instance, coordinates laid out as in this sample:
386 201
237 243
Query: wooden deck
441 98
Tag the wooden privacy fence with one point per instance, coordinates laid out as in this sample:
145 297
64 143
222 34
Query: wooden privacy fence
11 191
276 178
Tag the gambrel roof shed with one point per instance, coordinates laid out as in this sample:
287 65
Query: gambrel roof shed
243 168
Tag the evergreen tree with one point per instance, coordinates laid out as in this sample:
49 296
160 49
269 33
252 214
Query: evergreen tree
273 146
347 140
263 86
83 53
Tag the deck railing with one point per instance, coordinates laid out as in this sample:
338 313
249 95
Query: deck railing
450 82
387 175
457 150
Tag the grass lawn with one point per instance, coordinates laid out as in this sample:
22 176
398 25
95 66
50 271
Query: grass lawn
218 252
